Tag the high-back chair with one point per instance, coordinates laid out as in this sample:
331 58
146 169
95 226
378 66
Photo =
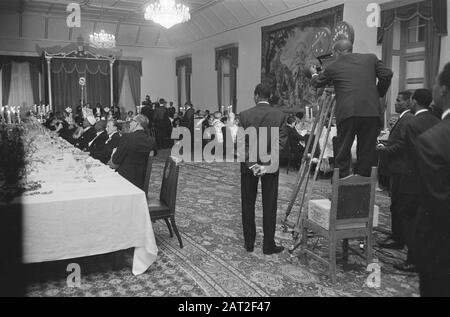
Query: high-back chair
148 173
164 207
348 215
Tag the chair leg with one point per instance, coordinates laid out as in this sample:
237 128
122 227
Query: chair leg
369 249
172 221
332 259
345 249
304 245
168 226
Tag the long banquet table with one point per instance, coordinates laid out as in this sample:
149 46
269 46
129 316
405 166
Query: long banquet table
75 214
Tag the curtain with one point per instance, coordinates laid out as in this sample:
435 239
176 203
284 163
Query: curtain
179 83
183 86
21 93
134 70
34 76
98 89
6 83
135 84
432 53
66 91
434 10
188 86
126 97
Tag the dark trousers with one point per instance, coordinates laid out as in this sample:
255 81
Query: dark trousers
367 131
434 286
249 190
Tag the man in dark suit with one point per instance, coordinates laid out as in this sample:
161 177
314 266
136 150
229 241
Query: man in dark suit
172 110
89 133
295 139
162 124
98 111
398 169
103 153
131 157
112 142
423 120
98 142
432 236
188 121
358 107
263 116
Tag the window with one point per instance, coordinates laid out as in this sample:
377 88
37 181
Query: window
183 72
226 66
416 30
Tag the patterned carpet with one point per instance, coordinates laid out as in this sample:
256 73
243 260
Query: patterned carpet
214 261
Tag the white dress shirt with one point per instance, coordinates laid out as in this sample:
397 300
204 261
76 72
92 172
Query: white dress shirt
420 111
445 114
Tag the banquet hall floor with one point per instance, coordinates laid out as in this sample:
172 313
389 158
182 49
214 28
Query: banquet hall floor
214 261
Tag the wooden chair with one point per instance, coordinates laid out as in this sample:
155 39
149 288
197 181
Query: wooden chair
349 215
164 207
148 173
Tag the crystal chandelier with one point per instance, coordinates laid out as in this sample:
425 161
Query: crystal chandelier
102 40
167 13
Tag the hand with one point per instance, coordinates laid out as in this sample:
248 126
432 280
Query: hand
262 171
381 147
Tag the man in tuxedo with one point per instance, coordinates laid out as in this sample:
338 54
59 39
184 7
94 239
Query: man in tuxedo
358 107
433 222
162 124
423 120
98 111
130 159
295 139
112 142
172 110
89 133
261 116
398 169
98 142
188 121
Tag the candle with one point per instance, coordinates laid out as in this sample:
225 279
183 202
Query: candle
1 113
35 108
18 114
8 116
223 108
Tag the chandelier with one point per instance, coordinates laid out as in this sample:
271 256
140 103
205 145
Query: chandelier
167 13
102 40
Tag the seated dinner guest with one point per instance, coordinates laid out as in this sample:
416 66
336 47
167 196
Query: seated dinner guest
131 157
112 142
86 134
98 142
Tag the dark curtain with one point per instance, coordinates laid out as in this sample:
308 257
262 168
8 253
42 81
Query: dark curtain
6 82
432 53
188 87
98 89
66 91
435 10
230 52
134 69
179 82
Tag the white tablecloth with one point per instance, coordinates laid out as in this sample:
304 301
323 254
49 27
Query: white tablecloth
76 218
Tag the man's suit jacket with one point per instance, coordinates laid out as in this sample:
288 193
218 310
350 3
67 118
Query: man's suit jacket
148 112
294 141
98 112
354 77
262 116
433 223
86 137
104 154
132 156
99 142
418 125
396 148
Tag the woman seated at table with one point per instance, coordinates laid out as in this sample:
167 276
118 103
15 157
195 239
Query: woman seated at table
130 158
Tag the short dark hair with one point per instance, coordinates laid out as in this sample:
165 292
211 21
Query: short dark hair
424 97
300 115
444 76
291 120
406 95
263 91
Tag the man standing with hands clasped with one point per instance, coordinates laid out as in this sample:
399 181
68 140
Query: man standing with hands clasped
264 121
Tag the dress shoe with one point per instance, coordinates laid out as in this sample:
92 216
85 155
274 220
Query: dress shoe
392 245
406 267
274 250
249 250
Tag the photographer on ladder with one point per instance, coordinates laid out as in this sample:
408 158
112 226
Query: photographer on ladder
358 105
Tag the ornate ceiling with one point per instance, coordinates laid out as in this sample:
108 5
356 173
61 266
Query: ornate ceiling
46 19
